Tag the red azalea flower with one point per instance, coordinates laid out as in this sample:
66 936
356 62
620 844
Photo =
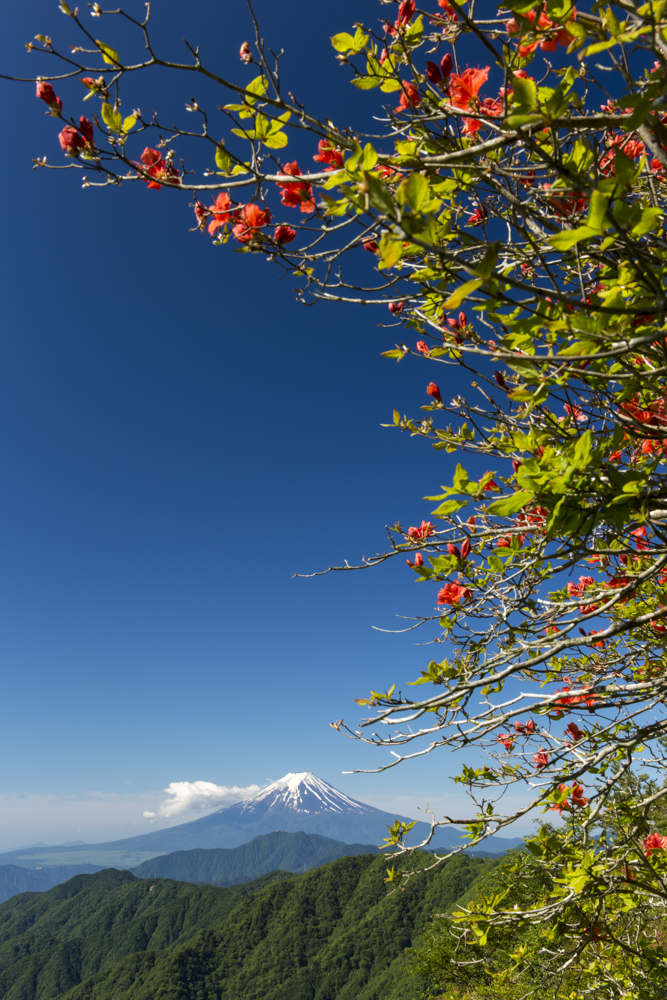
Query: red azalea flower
540 759
298 194
47 94
425 530
409 98
284 234
654 842
329 154
70 140
251 219
464 88
578 799
157 169
478 217
370 246
221 212
506 740
423 347
433 390
453 593
448 9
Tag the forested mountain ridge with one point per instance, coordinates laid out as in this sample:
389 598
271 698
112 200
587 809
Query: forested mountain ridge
331 933
291 852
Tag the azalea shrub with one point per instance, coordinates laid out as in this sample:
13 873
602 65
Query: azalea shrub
509 225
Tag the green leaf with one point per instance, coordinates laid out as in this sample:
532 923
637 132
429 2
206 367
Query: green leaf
276 141
390 250
129 123
583 449
366 82
390 85
487 265
457 297
112 119
525 92
510 505
223 160
343 42
379 195
370 157
569 237
598 211
109 55
416 191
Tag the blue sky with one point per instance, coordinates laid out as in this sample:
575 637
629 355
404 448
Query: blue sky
178 436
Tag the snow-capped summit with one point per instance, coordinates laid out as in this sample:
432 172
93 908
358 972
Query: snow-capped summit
303 793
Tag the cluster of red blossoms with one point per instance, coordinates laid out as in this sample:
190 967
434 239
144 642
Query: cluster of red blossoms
157 169
71 139
454 593
575 798
549 35
248 220
654 842
296 194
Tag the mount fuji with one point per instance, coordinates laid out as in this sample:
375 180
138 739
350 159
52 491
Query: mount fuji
298 802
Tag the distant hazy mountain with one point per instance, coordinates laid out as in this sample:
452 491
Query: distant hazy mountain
298 802
290 852
14 879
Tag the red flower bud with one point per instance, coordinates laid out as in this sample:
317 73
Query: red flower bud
465 549
86 129
433 74
433 390
500 379
419 559
453 550
245 54
371 246
396 308
46 92
70 140
446 65
406 9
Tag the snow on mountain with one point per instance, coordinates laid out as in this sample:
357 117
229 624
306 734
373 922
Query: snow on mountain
301 792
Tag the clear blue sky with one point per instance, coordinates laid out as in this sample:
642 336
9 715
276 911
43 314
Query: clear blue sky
177 437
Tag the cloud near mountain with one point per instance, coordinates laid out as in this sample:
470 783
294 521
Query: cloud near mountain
194 796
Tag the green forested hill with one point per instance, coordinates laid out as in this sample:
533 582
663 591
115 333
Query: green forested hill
291 852
331 934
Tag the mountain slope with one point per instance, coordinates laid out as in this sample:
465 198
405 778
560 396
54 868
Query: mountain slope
298 802
332 933
291 852
50 941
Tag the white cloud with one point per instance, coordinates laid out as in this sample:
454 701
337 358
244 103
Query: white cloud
194 796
